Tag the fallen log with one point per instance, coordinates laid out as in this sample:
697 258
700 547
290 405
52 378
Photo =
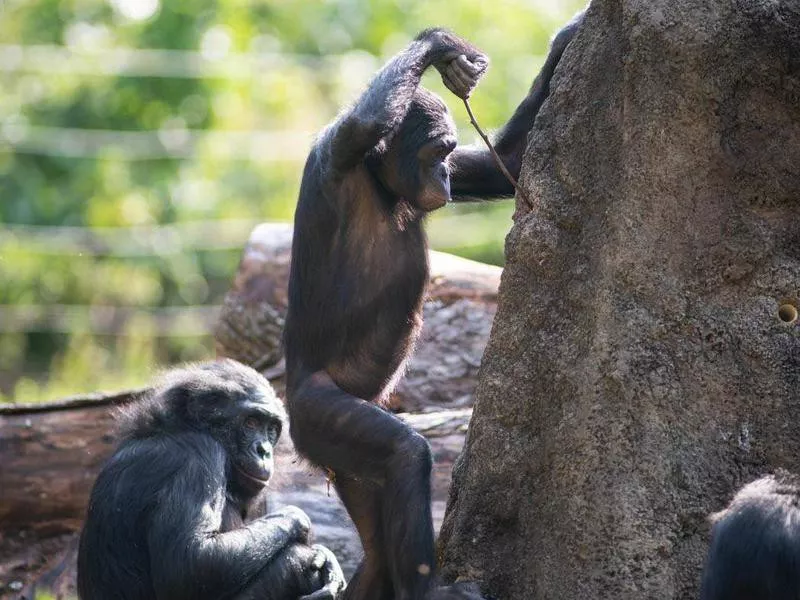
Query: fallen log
462 301
52 453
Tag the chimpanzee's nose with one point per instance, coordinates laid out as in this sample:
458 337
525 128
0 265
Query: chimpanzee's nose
263 450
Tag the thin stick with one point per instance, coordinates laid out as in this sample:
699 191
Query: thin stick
496 157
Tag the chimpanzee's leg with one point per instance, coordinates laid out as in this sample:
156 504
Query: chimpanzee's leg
368 447
288 575
363 502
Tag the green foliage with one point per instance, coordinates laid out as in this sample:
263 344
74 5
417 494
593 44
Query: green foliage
226 68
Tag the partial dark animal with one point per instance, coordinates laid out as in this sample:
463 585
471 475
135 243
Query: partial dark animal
168 514
755 543
357 282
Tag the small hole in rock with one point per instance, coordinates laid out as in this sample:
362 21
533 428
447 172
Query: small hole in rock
787 313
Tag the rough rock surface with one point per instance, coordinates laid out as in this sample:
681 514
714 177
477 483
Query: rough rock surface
640 368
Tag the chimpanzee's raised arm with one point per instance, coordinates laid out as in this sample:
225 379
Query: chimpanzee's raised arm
379 111
474 175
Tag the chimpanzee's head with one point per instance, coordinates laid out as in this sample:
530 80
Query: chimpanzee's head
413 165
229 401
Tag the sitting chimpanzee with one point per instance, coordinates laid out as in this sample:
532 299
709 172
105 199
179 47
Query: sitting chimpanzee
755 543
357 283
166 517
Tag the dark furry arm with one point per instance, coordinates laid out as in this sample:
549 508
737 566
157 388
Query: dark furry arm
383 106
191 556
474 175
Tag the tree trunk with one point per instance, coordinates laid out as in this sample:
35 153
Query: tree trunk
51 454
645 360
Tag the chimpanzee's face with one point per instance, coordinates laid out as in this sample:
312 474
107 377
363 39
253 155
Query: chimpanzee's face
257 431
236 405
434 173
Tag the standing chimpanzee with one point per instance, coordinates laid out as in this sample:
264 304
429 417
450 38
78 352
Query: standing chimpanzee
755 543
166 516
357 282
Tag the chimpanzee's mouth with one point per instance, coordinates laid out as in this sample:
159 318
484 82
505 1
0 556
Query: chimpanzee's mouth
261 478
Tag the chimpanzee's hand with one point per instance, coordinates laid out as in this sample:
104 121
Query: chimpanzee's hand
462 74
298 521
460 64
330 574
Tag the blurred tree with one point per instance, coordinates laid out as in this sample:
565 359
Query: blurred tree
140 113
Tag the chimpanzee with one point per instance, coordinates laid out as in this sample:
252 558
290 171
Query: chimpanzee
167 514
358 276
755 543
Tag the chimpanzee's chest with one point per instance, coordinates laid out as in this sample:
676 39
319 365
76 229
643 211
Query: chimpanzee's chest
384 251
377 299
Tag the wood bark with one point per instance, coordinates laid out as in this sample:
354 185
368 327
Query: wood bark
50 455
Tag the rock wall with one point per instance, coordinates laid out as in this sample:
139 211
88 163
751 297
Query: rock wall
645 358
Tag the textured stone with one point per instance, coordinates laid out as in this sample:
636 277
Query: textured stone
638 371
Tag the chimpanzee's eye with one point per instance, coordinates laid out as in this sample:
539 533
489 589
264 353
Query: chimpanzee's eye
252 423
446 147
436 151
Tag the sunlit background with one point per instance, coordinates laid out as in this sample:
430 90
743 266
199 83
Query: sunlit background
141 141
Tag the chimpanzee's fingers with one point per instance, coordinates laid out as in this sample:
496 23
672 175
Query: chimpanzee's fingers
319 561
459 73
452 84
457 87
481 63
462 81
474 69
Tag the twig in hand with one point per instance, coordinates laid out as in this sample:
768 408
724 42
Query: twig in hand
496 157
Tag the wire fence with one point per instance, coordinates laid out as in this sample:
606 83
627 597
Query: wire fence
121 242
183 64
178 143
167 143
261 146
177 321
128 242
174 143
194 236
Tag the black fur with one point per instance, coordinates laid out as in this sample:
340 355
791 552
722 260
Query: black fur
167 514
358 276
755 543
